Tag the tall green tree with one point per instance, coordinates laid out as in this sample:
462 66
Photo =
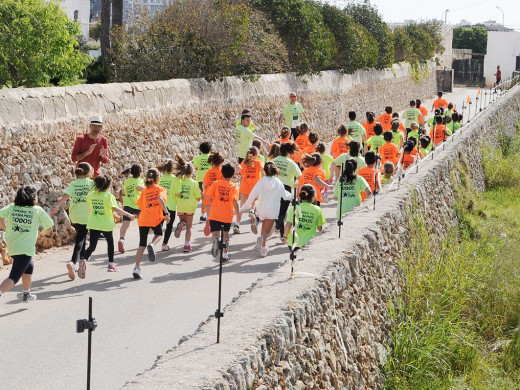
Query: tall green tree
474 38
38 43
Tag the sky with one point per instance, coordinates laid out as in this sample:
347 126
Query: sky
395 11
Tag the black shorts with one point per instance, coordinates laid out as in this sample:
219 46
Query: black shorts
143 233
240 159
215 226
200 187
130 210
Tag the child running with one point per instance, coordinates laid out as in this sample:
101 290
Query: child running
424 141
302 141
388 172
341 144
369 124
257 144
173 186
326 164
223 196
77 192
309 219
212 175
132 187
386 118
285 135
251 172
313 142
187 200
269 190
349 187
369 173
274 151
353 153
407 158
313 174
24 219
389 151
100 222
376 141
201 163
152 202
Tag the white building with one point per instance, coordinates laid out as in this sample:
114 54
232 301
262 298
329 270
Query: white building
78 10
503 48
132 8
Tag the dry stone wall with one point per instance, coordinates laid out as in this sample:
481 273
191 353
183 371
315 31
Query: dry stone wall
327 328
150 122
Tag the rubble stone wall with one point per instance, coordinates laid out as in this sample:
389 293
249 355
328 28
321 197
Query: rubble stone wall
150 122
327 327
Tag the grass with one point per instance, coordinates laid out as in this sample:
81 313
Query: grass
456 324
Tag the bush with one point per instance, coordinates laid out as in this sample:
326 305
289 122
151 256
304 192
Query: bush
356 47
96 73
474 38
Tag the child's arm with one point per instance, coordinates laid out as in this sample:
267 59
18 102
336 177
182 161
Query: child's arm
287 230
139 188
262 140
321 183
123 213
165 209
2 225
45 232
237 210
61 202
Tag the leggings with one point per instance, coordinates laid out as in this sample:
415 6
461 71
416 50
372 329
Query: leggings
169 227
284 205
80 242
94 237
22 264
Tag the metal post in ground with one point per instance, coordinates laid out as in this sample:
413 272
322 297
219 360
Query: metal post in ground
89 324
218 313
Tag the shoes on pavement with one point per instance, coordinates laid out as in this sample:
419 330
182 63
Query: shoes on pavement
112 267
165 248
215 247
71 270
82 268
187 248
225 257
263 251
151 252
137 273
253 218
178 229
121 246
28 297
203 218
258 245
236 228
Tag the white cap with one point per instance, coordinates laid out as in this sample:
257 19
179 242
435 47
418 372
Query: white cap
96 120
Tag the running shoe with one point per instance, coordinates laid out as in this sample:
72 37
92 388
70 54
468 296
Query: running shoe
215 247
82 268
253 218
225 258
236 228
263 251
187 248
207 229
256 248
151 252
178 229
137 273
165 248
203 218
121 246
71 270
28 297
112 267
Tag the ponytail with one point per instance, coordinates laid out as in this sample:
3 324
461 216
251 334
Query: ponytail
215 159
270 169
182 168
274 151
288 148
251 153
25 196
307 193
166 167
313 137
152 176
83 169
102 183
349 171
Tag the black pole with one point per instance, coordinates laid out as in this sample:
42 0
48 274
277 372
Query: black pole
485 99
293 246
341 180
480 100
378 161
218 312
89 357
469 110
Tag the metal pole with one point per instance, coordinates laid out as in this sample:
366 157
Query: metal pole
378 161
341 179
469 110
89 354
293 246
218 312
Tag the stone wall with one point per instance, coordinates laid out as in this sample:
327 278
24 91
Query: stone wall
326 329
150 122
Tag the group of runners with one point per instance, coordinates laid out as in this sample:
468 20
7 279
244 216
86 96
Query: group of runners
298 167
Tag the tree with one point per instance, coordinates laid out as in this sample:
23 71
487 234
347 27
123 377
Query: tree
105 31
474 38
38 43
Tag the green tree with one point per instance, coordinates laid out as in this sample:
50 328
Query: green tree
38 43
474 38
366 15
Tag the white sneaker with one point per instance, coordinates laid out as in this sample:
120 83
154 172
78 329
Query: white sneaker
137 273
71 270
165 248
252 216
258 245
263 251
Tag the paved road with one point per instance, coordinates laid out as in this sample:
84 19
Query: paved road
138 319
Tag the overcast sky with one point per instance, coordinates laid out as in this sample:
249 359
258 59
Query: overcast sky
473 11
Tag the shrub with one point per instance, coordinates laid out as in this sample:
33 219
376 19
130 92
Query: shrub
474 38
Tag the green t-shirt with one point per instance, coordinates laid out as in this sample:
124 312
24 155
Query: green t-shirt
101 217
345 156
22 228
423 151
386 180
131 192
78 191
351 194
356 131
189 193
173 187
201 163
326 162
292 113
289 170
410 115
261 158
375 142
251 124
308 217
415 134
456 126
244 138
398 137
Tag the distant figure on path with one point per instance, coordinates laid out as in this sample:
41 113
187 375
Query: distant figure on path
498 75
92 147
292 113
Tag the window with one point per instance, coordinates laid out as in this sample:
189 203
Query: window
76 15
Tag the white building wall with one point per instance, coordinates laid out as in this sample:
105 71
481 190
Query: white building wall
502 49
78 10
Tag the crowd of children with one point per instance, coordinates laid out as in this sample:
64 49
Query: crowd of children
363 158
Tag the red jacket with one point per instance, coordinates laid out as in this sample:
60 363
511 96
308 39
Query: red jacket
82 144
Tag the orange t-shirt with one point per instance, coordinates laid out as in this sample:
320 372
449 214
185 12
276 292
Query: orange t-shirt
389 152
424 112
440 134
440 103
151 213
369 127
303 143
368 174
308 176
284 140
339 146
386 121
310 149
250 176
223 193
406 159
211 176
